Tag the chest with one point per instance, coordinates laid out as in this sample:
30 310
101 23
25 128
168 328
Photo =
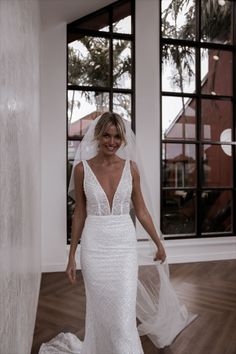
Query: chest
108 178
109 185
109 195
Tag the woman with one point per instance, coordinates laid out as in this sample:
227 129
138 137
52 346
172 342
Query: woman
105 185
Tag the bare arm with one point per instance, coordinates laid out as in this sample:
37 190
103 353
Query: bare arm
78 220
143 215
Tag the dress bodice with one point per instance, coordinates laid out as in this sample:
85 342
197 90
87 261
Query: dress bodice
97 202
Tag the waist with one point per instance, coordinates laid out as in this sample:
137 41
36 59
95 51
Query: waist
108 231
108 218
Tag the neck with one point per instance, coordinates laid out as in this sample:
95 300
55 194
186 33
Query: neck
107 159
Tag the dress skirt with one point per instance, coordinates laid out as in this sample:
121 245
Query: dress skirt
110 270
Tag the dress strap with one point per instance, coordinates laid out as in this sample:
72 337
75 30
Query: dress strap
84 162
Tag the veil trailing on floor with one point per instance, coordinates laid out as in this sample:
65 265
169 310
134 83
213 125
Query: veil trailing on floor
158 310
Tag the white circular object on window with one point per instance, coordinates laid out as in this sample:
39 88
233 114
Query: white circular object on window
221 2
226 136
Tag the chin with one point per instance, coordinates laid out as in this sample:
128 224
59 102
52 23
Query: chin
110 152
107 152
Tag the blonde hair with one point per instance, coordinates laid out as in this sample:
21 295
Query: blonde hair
107 119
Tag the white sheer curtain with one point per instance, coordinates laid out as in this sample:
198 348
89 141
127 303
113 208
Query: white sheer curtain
19 174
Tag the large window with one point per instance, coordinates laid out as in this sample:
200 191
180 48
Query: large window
198 177
100 74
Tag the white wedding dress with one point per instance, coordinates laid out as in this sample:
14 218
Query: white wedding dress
110 271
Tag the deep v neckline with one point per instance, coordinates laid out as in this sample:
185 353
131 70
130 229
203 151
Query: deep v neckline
110 206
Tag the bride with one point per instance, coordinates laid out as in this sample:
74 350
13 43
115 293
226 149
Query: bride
106 182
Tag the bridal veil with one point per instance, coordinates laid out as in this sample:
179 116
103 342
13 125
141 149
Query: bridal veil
160 314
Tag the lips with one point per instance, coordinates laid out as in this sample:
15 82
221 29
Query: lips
111 148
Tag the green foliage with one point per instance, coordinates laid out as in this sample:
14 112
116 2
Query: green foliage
215 27
216 21
172 12
89 66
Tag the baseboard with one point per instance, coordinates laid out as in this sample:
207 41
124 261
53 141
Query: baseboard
201 250
178 251
53 267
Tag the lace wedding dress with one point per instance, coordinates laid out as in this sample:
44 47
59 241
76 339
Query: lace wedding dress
110 271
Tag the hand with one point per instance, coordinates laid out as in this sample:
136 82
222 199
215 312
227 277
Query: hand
160 254
71 271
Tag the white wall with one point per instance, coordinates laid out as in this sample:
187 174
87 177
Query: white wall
147 93
53 142
53 103
20 255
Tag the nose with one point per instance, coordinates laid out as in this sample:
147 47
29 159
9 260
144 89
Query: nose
112 140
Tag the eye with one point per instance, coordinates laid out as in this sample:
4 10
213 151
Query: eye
118 136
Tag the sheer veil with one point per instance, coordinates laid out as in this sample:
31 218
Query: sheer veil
159 312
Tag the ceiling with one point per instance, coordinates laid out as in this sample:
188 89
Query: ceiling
54 11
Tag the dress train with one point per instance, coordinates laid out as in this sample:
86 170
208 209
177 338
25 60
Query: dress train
115 295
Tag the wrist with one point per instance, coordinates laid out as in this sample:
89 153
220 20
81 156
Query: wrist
158 242
71 258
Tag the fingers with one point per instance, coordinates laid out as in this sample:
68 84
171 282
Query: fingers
160 257
71 273
157 258
163 258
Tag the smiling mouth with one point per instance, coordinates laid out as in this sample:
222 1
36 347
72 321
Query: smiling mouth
111 148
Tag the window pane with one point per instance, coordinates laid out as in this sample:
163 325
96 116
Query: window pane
88 62
217 120
122 63
83 107
216 72
70 200
178 68
122 105
216 211
178 212
178 20
100 22
179 165
216 25
122 18
217 166
72 148
178 118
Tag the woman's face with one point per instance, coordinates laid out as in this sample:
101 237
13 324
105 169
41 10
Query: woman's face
110 141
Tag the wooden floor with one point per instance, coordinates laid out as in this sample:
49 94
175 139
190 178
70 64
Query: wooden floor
207 288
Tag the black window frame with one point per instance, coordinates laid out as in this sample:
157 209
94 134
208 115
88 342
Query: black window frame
198 141
72 28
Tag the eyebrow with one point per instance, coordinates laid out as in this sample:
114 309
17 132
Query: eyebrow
105 133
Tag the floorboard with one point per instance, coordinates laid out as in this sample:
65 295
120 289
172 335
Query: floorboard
207 288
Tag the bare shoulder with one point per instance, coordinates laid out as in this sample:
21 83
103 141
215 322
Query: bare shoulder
133 165
78 181
79 169
134 169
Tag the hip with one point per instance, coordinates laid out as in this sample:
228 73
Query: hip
109 231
